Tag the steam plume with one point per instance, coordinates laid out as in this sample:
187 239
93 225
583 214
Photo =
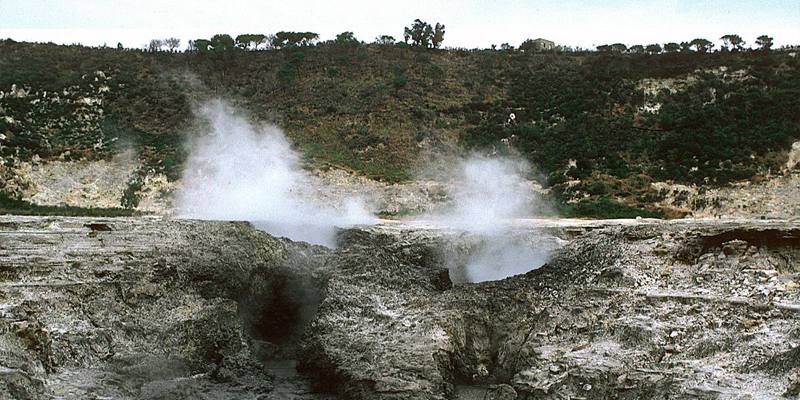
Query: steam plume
243 172
488 194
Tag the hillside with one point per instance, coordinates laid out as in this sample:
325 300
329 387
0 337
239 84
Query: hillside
600 129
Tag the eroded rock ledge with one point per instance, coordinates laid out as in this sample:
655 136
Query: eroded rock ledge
704 309
141 307
157 308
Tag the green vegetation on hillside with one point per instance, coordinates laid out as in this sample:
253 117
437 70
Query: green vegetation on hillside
9 205
585 119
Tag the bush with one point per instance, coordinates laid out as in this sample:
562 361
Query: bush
399 78
130 196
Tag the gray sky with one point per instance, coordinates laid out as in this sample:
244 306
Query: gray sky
468 23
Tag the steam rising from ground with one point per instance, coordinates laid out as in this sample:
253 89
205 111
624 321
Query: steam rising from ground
243 172
238 171
488 194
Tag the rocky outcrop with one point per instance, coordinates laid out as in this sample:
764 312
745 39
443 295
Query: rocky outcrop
775 198
646 310
104 183
157 308
654 88
138 308
78 183
415 197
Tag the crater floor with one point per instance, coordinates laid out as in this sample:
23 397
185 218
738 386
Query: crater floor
130 308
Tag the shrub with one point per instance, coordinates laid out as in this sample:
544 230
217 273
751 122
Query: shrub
399 78
9 205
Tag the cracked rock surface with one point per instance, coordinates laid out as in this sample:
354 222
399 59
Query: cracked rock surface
155 308
642 310
135 308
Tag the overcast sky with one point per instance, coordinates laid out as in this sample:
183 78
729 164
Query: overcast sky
468 23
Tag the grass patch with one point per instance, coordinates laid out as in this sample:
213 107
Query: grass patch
317 155
11 206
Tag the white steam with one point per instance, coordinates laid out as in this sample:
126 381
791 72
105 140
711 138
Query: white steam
500 256
488 194
238 171
242 172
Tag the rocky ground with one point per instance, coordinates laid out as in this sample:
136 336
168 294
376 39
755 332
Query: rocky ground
158 308
641 310
141 308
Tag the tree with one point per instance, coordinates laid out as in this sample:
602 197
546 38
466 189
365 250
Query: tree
119 46
202 45
438 36
428 34
671 47
604 48
346 38
637 48
734 41
506 47
258 39
155 45
701 45
385 40
654 48
417 33
245 41
764 42
422 34
291 39
686 46
308 38
222 42
172 43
